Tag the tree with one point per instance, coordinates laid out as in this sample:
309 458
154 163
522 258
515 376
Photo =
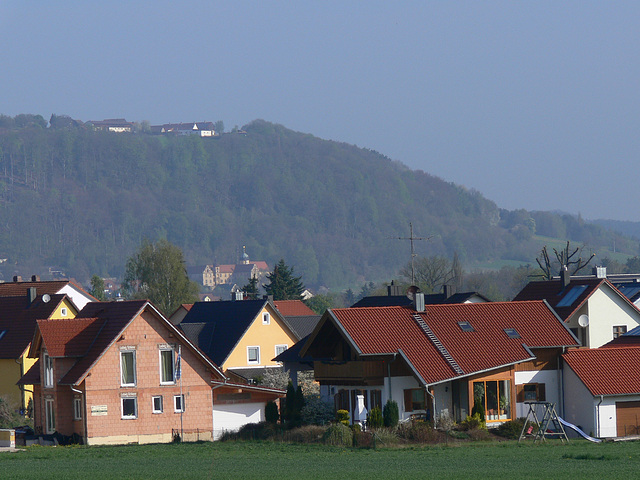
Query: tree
431 273
565 259
282 284
157 272
97 288
251 288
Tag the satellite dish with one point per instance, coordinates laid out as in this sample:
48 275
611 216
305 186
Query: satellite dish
411 292
583 320
46 298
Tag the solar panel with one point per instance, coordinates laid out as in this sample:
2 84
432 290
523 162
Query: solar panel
629 291
512 333
465 326
571 296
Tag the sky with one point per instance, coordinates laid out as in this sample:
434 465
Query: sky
534 104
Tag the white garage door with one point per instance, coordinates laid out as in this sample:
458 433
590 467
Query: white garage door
229 418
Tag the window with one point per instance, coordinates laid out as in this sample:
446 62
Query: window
465 326
77 408
266 318
512 333
50 415
48 370
129 407
280 349
156 404
495 397
414 399
253 354
531 392
167 373
619 330
376 398
128 368
63 312
178 403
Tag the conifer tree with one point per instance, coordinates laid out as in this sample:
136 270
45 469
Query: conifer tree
283 285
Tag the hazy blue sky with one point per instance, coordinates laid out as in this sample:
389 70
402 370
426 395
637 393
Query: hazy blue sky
534 104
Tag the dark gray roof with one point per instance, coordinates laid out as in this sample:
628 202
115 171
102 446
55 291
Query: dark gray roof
303 325
403 300
216 327
292 354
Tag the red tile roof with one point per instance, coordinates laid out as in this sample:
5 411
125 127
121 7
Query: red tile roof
607 371
385 330
69 338
10 289
293 308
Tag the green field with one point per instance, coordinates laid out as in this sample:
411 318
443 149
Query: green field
268 460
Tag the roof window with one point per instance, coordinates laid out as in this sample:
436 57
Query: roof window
571 296
512 333
465 326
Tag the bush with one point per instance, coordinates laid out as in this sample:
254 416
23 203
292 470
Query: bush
9 414
419 432
339 435
254 431
342 416
390 414
387 436
474 422
271 413
316 411
510 429
306 434
374 418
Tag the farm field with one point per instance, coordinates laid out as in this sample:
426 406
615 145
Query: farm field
268 460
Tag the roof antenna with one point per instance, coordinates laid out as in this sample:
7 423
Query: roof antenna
411 238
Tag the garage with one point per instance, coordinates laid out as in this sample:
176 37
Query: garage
627 418
231 417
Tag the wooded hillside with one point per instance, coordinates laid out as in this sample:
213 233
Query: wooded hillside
84 200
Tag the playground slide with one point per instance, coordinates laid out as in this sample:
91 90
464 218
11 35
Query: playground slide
573 427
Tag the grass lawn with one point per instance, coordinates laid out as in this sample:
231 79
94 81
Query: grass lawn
268 460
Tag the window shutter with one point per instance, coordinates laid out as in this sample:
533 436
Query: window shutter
541 392
408 401
520 393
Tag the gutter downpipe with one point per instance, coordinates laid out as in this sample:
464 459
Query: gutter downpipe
85 437
598 433
561 380
389 375
433 399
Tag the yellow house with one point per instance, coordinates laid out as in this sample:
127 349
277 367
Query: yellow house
242 336
18 315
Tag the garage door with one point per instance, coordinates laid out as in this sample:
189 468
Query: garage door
229 418
628 418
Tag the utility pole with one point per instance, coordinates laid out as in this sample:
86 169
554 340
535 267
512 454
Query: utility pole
411 239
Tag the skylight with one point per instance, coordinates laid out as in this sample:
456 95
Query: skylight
571 296
465 326
512 333
2 334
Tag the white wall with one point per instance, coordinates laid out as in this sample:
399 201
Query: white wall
229 418
550 378
579 404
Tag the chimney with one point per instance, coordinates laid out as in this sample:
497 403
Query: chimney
394 290
418 302
448 290
565 276
599 272
17 278
35 278
31 294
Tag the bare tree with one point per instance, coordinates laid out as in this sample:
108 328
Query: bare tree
565 258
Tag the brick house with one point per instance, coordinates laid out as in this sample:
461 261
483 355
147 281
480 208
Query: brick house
120 373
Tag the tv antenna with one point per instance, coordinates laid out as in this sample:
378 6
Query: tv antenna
411 239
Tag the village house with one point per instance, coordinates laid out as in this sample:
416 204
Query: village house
18 316
594 309
441 359
121 373
116 125
241 336
201 129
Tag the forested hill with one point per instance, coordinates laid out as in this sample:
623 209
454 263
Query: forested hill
84 200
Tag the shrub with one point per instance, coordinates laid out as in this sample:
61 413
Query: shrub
339 435
256 431
306 434
390 414
9 414
342 416
316 411
374 418
510 429
478 408
271 413
419 432
474 422
386 436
